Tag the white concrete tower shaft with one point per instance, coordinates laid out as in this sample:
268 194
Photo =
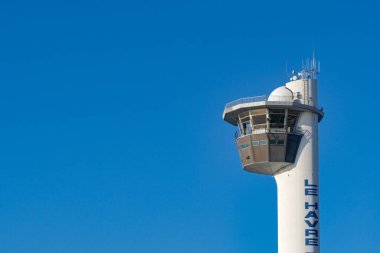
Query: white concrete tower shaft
298 184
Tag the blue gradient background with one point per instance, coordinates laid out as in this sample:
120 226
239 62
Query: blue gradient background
111 132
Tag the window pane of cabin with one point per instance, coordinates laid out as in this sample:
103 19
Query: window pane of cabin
292 118
259 119
259 126
277 120
247 128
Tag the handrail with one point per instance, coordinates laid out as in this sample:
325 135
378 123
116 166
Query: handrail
246 100
294 130
270 99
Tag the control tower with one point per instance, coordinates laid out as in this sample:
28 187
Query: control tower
277 135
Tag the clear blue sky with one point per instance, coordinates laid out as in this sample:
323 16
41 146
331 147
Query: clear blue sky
111 132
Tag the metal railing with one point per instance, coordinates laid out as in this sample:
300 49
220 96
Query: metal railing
270 99
246 101
293 129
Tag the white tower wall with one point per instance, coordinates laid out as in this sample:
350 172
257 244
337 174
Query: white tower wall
298 185
307 88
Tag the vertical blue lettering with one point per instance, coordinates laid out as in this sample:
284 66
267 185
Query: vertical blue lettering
311 214
307 205
309 232
312 225
311 242
311 191
307 183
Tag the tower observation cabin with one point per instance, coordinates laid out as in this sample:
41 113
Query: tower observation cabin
277 135
268 135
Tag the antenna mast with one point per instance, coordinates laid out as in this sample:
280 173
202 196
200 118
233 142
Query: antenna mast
311 69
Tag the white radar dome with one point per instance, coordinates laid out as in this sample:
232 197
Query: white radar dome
281 94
